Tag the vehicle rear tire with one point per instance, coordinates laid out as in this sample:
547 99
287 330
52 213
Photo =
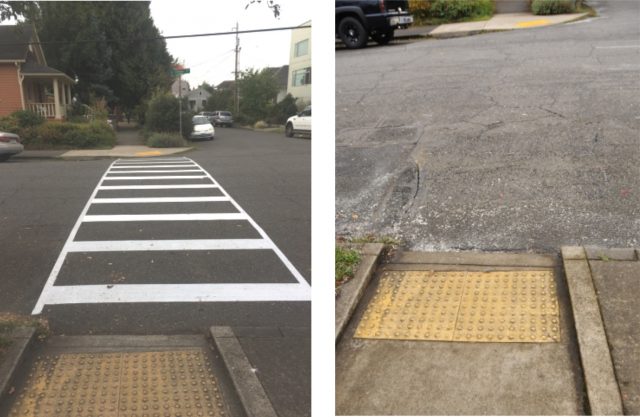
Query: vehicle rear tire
4 157
383 38
352 33
288 130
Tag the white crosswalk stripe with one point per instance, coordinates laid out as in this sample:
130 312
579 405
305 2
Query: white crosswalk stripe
166 292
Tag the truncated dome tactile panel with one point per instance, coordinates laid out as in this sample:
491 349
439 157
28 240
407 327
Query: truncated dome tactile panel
505 306
135 384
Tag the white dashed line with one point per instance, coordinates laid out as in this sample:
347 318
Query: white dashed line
157 200
163 217
157 245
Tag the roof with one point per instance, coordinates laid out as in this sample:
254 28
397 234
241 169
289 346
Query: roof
14 42
33 68
226 85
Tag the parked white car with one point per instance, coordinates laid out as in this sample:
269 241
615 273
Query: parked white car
300 123
9 145
202 128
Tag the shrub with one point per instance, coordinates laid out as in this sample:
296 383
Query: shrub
543 7
162 115
9 124
165 140
68 135
460 9
27 118
260 124
420 8
283 110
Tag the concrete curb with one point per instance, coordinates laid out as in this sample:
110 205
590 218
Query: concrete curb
353 290
248 387
603 393
22 338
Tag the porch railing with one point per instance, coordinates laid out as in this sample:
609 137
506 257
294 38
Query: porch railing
44 109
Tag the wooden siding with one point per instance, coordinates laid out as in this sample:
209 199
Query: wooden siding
10 99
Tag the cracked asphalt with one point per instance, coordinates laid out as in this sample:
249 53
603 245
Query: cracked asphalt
522 140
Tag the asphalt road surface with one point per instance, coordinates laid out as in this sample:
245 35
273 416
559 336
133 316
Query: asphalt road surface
173 245
522 140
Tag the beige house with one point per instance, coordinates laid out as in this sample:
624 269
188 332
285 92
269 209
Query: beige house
299 80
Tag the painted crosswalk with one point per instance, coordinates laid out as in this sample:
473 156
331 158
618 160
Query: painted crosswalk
129 198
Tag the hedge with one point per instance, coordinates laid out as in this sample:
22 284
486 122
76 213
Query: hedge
165 140
68 136
544 7
451 10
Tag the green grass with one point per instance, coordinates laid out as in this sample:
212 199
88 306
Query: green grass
346 262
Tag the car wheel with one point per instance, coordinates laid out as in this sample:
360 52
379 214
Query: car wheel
4 157
383 38
288 130
352 33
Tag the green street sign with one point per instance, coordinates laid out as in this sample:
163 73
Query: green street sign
181 71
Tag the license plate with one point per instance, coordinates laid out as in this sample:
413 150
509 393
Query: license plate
405 20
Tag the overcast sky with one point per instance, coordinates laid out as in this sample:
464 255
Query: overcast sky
211 59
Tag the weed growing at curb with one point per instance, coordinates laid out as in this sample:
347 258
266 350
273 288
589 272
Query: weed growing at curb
346 262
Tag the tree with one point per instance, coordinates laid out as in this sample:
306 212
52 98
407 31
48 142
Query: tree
15 9
258 91
112 48
275 7
219 100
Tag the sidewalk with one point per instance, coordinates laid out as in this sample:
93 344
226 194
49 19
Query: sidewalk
504 21
494 333
129 145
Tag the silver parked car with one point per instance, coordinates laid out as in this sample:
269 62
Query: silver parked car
222 118
9 145
202 128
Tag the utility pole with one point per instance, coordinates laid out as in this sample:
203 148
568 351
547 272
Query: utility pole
180 101
236 97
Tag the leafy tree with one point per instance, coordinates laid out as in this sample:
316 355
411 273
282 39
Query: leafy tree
112 48
275 7
14 9
219 100
258 90
162 115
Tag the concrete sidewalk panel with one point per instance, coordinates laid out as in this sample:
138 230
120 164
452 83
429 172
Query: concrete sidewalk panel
613 254
252 395
453 30
618 288
602 389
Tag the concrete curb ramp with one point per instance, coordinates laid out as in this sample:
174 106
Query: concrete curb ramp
249 389
602 388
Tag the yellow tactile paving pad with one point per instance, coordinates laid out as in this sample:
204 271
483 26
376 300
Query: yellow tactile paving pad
504 306
132 384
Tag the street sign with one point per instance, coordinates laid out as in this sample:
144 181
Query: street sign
181 71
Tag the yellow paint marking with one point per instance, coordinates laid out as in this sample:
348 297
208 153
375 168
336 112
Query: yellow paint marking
532 23
504 306
148 153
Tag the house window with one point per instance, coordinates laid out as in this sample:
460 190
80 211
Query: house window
302 48
301 77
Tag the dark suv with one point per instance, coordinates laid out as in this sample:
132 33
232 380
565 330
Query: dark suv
357 20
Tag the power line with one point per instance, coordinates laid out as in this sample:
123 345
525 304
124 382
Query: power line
156 38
